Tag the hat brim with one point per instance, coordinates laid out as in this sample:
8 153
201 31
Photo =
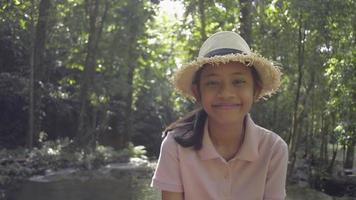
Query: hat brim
270 74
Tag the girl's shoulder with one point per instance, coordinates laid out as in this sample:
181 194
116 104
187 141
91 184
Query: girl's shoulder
170 144
180 135
180 129
270 137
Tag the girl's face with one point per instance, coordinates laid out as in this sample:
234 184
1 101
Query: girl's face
226 92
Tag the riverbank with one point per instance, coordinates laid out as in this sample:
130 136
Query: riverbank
295 192
127 181
19 165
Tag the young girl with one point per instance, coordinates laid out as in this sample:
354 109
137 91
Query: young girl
218 152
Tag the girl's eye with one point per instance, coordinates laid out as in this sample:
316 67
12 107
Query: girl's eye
238 82
212 83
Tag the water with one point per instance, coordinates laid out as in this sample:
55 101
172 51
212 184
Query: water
120 182
115 182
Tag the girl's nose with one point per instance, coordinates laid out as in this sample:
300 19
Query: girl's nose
226 91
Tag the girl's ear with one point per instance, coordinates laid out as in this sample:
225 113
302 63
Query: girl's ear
257 92
196 93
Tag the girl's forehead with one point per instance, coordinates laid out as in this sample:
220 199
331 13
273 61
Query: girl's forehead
226 68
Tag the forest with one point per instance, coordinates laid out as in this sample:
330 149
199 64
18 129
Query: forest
91 78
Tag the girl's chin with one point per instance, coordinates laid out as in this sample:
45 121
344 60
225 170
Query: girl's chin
227 119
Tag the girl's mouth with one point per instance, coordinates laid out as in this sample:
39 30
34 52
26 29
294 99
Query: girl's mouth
226 106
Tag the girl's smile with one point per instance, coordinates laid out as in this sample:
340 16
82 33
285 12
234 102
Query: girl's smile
226 106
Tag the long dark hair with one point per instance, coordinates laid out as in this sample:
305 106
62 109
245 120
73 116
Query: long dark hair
190 129
191 126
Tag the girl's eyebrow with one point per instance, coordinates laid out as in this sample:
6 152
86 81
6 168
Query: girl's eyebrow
215 74
211 74
238 73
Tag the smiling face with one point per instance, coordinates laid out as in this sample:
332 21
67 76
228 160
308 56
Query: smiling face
226 92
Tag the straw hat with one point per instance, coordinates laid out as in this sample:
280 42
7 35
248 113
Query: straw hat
224 47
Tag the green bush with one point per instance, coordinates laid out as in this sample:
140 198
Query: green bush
19 164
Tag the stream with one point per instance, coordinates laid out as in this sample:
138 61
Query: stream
113 182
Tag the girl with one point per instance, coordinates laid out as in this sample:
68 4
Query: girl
218 152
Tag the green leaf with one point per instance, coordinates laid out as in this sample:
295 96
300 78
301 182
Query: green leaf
17 2
22 24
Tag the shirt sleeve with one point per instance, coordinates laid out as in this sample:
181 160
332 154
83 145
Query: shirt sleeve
167 176
277 172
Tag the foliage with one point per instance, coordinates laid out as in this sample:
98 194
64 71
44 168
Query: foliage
137 151
13 101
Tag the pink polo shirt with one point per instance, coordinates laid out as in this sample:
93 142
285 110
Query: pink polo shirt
258 171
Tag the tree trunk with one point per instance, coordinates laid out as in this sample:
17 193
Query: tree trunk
85 135
202 20
37 72
246 20
131 62
325 129
344 153
275 121
350 148
350 155
332 161
129 114
309 138
306 132
294 135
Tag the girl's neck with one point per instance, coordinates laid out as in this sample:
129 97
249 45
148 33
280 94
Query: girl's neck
223 134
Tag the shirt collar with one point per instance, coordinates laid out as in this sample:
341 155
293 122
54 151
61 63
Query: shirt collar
248 150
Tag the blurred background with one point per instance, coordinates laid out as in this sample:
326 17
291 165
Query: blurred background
85 84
